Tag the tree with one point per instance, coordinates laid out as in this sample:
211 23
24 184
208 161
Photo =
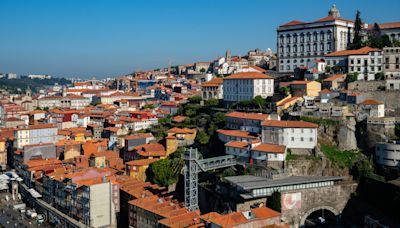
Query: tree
228 172
275 201
202 70
195 99
327 69
161 172
202 137
259 101
397 130
212 102
357 39
149 106
351 77
284 91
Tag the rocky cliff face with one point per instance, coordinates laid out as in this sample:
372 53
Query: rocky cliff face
342 135
306 167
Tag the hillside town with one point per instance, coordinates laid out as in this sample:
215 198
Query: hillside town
307 135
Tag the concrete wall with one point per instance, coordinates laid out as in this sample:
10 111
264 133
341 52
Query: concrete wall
332 198
100 205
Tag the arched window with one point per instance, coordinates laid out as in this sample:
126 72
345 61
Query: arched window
301 48
302 37
322 35
308 47
295 38
308 37
294 48
281 49
288 48
315 34
287 38
315 47
329 35
321 47
281 39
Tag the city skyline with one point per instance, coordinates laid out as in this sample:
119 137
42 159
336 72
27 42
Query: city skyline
106 39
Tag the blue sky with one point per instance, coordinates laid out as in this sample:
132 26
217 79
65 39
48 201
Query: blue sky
108 38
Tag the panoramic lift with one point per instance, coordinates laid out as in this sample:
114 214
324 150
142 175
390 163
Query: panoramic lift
193 166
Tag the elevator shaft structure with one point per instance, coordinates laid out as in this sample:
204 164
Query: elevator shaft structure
193 166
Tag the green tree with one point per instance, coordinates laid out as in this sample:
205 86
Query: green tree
327 69
212 102
228 172
202 70
202 137
357 39
195 99
275 201
284 91
397 130
149 106
380 76
259 101
161 172
351 77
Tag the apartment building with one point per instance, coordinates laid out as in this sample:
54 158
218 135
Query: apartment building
35 134
391 61
302 42
247 85
70 101
243 121
292 134
365 61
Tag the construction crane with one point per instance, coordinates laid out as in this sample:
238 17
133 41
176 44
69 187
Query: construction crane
193 166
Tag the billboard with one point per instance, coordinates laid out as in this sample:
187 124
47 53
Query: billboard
291 201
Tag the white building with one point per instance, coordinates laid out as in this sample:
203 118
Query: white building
71 101
246 86
301 42
392 29
35 134
365 61
11 76
39 76
213 89
371 108
292 134
388 154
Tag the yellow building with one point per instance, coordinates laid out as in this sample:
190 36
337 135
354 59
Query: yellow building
3 153
137 168
70 147
305 88
97 161
178 137
287 102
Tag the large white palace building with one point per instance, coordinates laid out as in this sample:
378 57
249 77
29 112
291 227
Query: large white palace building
301 42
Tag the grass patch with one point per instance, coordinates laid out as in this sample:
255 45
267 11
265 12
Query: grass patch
340 158
320 121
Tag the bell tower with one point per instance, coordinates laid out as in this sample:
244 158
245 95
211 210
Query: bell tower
334 12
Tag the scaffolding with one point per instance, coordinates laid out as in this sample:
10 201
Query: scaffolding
193 165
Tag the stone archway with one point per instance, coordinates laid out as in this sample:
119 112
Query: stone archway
308 213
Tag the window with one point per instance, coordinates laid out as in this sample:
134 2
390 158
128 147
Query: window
311 139
352 61
292 139
302 139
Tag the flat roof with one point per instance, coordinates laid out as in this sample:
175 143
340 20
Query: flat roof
248 182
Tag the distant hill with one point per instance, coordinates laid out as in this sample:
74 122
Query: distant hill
13 85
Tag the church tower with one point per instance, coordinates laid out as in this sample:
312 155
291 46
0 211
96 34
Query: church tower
28 92
334 12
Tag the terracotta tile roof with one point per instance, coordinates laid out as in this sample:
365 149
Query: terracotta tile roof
244 115
299 82
182 130
150 150
237 133
325 91
361 51
248 75
179 119
237 144
288 100
181 221
294 22
38 126
237 218
139 136
371 102
288 124
270 148
324 19
387 25
141 162
214 82
334 77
